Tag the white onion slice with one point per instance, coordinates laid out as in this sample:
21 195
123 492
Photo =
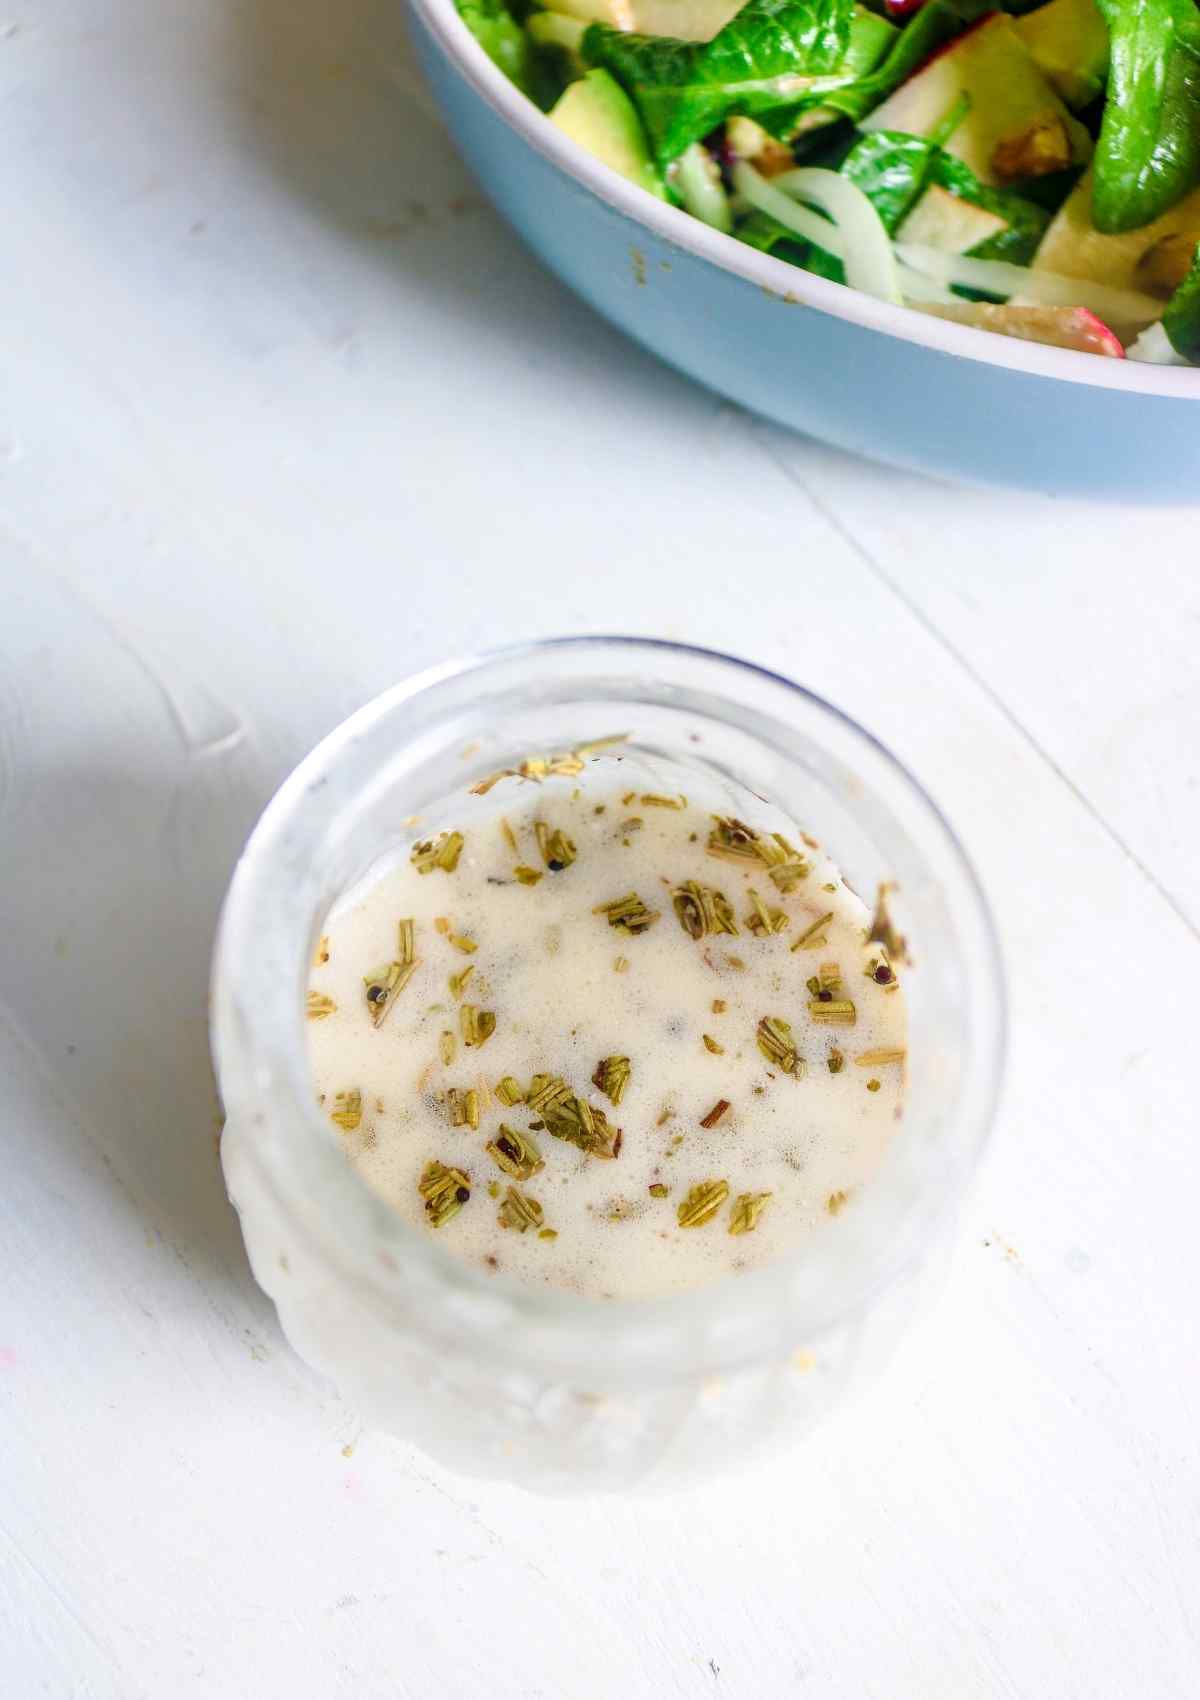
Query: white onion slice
757 192
869 260
924 290
1047 289
1155 348
857 237
701 189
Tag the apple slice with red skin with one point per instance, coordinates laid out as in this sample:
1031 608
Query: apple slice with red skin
1009 105
1056 327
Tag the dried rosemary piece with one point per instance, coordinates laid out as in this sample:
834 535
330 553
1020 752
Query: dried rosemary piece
547 1233
776 1043
658 1190
733 840
348 1111
835 1062
761 921
463 1107
458 982
702 1203
319 1006
567 763
835 1201
566 1116
651 800
444 1190
447 1045
405 953
747 1208
460 941
441 924
322 952
620 964
712 1045
509 1092
384 987
813 937
442 852
832 1012
628 912
719 1006
612 1077
525 875
829 976
518 1210
476 1025
874 1085
515 1152
784 863
702 909
508 835
715 1114
558 851
877 1059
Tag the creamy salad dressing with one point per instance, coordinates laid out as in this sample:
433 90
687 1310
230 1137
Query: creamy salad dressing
805 1119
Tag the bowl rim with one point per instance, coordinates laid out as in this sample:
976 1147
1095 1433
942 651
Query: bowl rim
776 277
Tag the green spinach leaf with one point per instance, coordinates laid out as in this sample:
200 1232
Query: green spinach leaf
1181 320
893 170
761 231
871 39
1148 155
772 53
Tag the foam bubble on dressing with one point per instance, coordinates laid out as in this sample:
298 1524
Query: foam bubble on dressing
569 989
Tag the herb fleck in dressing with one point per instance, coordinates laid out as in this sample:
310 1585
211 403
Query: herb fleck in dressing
628 1124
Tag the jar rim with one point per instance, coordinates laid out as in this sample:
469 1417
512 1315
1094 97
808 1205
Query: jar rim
265 938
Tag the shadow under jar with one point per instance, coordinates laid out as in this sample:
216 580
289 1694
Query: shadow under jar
523 1380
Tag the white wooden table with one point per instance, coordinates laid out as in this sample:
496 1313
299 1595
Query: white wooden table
286 413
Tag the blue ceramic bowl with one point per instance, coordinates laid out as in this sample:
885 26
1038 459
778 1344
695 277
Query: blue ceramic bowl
875 379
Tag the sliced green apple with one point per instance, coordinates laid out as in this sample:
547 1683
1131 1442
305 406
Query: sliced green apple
945 221
684 20
1015 126
1154 259
598 114
1068 40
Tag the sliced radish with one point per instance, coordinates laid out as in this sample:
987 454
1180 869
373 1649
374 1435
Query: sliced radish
1057 327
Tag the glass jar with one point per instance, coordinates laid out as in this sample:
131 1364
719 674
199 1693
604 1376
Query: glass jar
545 1387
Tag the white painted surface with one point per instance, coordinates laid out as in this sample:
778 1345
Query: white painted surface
285 414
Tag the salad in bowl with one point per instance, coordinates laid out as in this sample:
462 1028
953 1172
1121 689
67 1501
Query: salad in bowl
1033 172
